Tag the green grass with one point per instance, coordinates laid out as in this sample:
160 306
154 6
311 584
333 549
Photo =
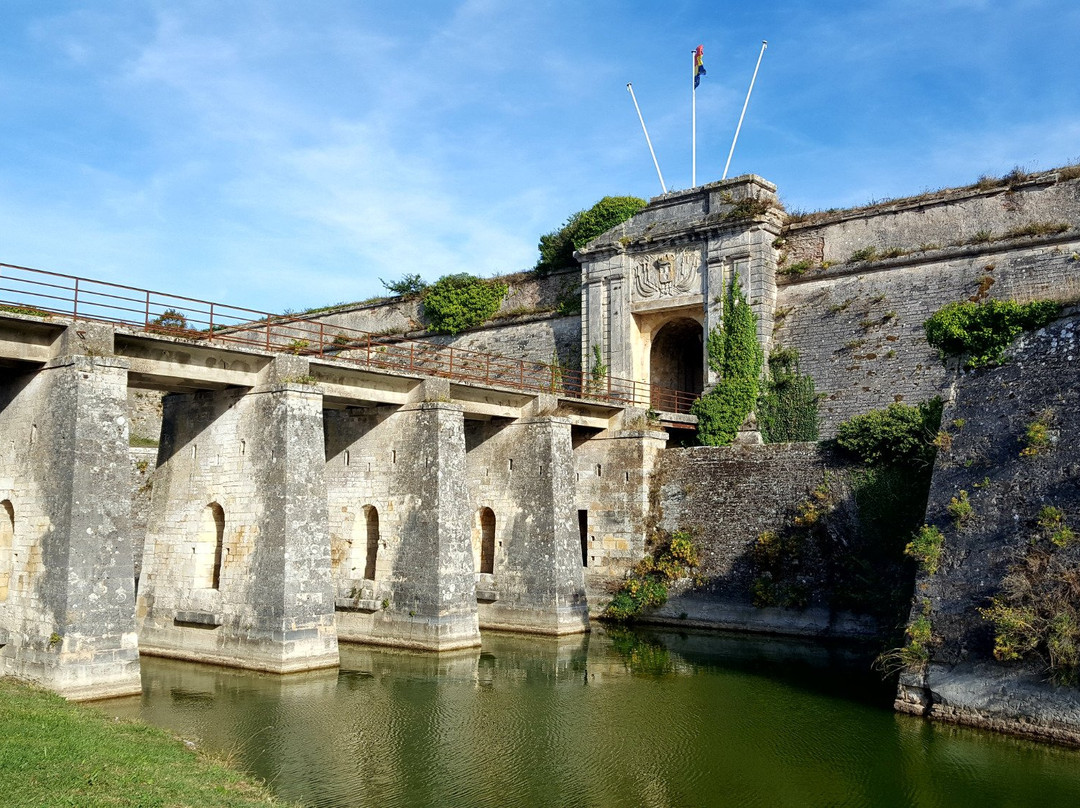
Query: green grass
56 753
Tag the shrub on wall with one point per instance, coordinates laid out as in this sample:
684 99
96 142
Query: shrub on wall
896 447
788 407
897 435
982 331
734 354
456 302
557 248
646 586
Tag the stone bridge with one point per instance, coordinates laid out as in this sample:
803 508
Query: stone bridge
301 497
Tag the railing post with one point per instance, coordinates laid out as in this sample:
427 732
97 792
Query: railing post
75 301
451 370
412 349
146 322
322 338
369 348
269 327
487 368
211 322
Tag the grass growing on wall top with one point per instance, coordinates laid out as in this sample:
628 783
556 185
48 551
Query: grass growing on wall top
56 753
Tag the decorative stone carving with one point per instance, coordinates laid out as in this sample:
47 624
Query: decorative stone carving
671 274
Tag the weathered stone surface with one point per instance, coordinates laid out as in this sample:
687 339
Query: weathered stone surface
238 529
988 422
400 525
66 574
522 472
728 496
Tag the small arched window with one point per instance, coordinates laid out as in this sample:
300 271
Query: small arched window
371 517
487 541
209 547
7 542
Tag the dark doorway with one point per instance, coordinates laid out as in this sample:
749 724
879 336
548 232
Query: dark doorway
675 360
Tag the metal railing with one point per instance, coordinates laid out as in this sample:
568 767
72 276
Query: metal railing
38 292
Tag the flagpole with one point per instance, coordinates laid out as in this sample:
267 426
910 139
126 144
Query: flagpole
764 44
630 87
693 119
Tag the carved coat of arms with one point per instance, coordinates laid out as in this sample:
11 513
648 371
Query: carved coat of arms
668 275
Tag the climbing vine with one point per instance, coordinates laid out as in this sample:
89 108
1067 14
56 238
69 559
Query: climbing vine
788 407
736 356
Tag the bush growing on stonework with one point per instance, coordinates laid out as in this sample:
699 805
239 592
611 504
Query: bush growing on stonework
982 331
1036 615
646 586
456 302
557 248
736 356
899 434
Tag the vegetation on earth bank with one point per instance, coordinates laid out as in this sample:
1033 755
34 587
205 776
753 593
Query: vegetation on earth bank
56 753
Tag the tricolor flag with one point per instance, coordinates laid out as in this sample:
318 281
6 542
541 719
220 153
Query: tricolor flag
699 65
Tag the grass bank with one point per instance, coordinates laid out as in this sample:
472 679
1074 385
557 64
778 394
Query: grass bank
56 753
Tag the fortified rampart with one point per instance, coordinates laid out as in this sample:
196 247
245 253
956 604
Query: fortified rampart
1023 489
359 494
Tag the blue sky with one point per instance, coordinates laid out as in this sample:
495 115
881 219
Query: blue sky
281 154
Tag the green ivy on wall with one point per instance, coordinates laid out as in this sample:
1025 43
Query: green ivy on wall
456 302
982 331
788 407
736 356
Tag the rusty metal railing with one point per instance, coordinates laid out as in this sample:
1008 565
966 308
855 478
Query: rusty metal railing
24 290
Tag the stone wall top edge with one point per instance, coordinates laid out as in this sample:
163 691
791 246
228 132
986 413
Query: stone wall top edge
847 268
676 197
942 197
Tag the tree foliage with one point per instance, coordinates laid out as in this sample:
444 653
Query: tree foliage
983 331
456 302
557 248
734 353
410 285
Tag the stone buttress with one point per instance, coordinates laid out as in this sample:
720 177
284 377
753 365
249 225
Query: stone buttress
236 568
403 571
67 617
525 537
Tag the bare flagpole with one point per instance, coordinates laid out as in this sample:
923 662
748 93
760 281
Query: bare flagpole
630 87
764 44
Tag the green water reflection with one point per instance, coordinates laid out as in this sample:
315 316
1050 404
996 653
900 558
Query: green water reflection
599 720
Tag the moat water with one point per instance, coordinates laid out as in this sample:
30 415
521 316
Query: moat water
608 719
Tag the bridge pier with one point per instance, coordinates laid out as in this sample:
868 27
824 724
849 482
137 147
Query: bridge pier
236 569
525 542
399 525
613 469
66 575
